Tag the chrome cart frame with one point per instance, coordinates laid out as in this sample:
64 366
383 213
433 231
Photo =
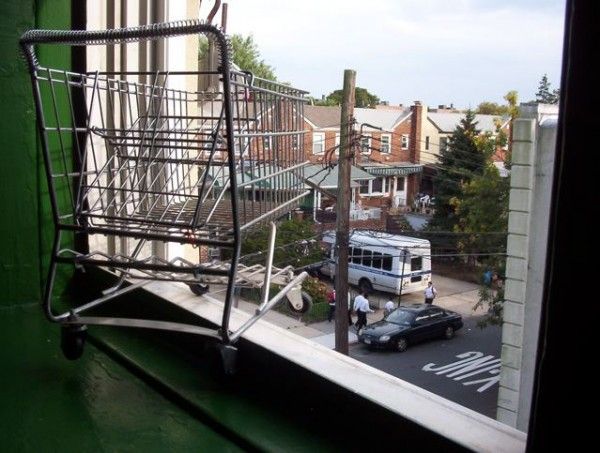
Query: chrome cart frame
152 161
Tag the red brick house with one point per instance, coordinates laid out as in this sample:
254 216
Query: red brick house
388 151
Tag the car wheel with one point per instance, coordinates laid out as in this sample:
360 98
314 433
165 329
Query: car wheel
365 285
449 333
401 344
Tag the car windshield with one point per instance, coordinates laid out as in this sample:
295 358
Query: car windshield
400 316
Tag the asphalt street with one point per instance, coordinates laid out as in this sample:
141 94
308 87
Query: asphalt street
464 369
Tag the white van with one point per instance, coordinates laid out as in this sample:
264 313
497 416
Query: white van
382 261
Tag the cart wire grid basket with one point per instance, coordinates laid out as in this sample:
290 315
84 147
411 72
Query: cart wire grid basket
136 158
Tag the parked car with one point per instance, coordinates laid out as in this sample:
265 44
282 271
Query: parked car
411 324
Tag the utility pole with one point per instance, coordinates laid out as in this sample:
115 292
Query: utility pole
343 213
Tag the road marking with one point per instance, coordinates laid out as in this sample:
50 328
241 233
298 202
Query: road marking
471 364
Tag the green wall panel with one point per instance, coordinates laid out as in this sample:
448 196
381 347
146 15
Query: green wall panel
26 228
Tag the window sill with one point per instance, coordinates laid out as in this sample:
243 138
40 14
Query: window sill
443 417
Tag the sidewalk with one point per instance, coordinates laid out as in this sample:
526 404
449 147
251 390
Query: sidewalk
453 295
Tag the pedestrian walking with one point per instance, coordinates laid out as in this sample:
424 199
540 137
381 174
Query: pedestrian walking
331 302
361 307
388 308
430 293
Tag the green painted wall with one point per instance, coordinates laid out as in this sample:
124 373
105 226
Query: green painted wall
25 227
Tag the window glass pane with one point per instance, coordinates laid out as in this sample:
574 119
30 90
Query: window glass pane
399 183
318 143
377 260
377 185
356 256
416 263
350 254
365 145
385 143
387 263
364 187
366 259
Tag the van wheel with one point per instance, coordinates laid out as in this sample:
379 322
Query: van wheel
365 285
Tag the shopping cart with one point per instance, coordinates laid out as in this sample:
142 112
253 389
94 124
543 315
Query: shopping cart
136 158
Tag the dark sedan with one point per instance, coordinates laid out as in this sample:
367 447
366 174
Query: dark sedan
411 324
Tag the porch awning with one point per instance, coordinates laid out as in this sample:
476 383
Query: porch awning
392 169
328 178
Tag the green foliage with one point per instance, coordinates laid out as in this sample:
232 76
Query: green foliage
460 162
492 108
545 94
482 212
294 245
494 300
245 54
316 289
363 99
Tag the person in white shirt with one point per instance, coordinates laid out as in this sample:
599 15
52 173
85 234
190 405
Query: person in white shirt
430 293
361 307
388 308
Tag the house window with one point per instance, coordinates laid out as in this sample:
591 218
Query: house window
404 141
427 142
365 145
364 187
318 143
266 143
378 185
399 183
337 144
443 143
385 143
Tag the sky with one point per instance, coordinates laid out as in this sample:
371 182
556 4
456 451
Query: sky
459 52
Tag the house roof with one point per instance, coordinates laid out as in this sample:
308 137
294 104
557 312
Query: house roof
447 121
329 116
328 178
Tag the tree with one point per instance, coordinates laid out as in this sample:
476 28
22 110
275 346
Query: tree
492 108
459 163
544 94
362 98
294 245
245 55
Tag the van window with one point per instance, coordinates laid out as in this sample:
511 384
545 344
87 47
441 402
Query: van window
367 258
377 260
356 256
350 254
387 263
416 263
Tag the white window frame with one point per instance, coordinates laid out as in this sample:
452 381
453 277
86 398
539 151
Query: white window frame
405 141
368 138
318 137
337 144
389 143
385 187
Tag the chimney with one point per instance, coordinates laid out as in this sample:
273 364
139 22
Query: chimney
416 125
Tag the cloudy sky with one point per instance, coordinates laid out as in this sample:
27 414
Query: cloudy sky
437 51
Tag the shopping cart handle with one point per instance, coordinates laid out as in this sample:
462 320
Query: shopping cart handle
118 36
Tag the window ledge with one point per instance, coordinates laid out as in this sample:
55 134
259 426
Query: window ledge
446 418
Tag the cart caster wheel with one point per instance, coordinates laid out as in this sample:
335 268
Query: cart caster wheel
198 289
72 341
304 306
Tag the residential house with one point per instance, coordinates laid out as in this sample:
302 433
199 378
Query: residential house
438 126
386 150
